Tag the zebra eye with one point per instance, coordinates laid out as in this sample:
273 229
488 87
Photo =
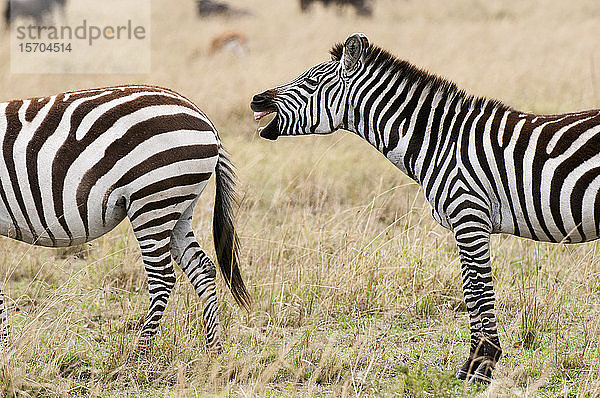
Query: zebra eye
311 81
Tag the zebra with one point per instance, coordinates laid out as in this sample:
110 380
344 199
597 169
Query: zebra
484 167
39 10
75 164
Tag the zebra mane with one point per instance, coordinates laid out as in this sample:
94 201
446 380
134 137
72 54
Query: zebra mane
381 58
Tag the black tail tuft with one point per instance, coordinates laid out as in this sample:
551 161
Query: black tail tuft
224 235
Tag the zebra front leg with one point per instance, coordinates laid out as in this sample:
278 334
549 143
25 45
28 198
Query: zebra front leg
473 245
201 272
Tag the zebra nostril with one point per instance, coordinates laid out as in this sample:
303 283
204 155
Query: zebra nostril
262 101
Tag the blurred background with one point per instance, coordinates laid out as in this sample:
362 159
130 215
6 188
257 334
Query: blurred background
356 290
540 56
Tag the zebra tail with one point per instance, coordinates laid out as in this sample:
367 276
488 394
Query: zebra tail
224 234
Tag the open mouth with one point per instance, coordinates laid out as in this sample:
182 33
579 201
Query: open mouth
270 131
260 115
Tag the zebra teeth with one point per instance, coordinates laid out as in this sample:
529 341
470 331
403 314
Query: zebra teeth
260 115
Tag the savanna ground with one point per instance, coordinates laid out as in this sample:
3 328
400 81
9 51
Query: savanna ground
356 291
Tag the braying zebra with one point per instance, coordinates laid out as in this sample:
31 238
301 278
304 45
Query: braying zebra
484 167
75 164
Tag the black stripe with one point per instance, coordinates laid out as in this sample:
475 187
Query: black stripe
179 154
13 128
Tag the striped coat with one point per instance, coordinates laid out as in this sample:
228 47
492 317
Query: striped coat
484 167
74 165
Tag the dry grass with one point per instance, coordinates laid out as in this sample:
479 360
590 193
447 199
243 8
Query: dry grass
356 290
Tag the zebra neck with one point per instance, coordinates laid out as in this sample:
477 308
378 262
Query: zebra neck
416 122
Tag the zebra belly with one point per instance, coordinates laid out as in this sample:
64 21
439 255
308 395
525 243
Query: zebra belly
57 239
585 232
562 210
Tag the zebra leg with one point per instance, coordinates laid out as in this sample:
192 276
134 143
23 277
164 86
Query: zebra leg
201 272
473 245
156 255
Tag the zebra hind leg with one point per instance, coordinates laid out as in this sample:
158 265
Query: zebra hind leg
154 235
201 272
479 297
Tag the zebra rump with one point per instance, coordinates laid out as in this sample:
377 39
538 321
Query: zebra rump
75 164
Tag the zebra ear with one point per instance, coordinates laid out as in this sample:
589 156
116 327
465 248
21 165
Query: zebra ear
354 48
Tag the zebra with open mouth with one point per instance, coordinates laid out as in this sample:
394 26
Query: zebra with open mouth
484 167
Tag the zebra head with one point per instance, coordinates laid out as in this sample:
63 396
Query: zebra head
316 101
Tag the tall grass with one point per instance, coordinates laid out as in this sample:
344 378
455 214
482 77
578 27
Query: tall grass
356 290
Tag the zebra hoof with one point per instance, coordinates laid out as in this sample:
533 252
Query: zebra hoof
215 352
482 373
462 375
144 347
466 371
215 348
475 377
480 378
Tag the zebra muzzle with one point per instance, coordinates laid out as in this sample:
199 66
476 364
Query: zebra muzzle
262 105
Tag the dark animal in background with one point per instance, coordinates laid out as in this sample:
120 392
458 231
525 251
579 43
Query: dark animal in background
363 7
208 8
39 10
